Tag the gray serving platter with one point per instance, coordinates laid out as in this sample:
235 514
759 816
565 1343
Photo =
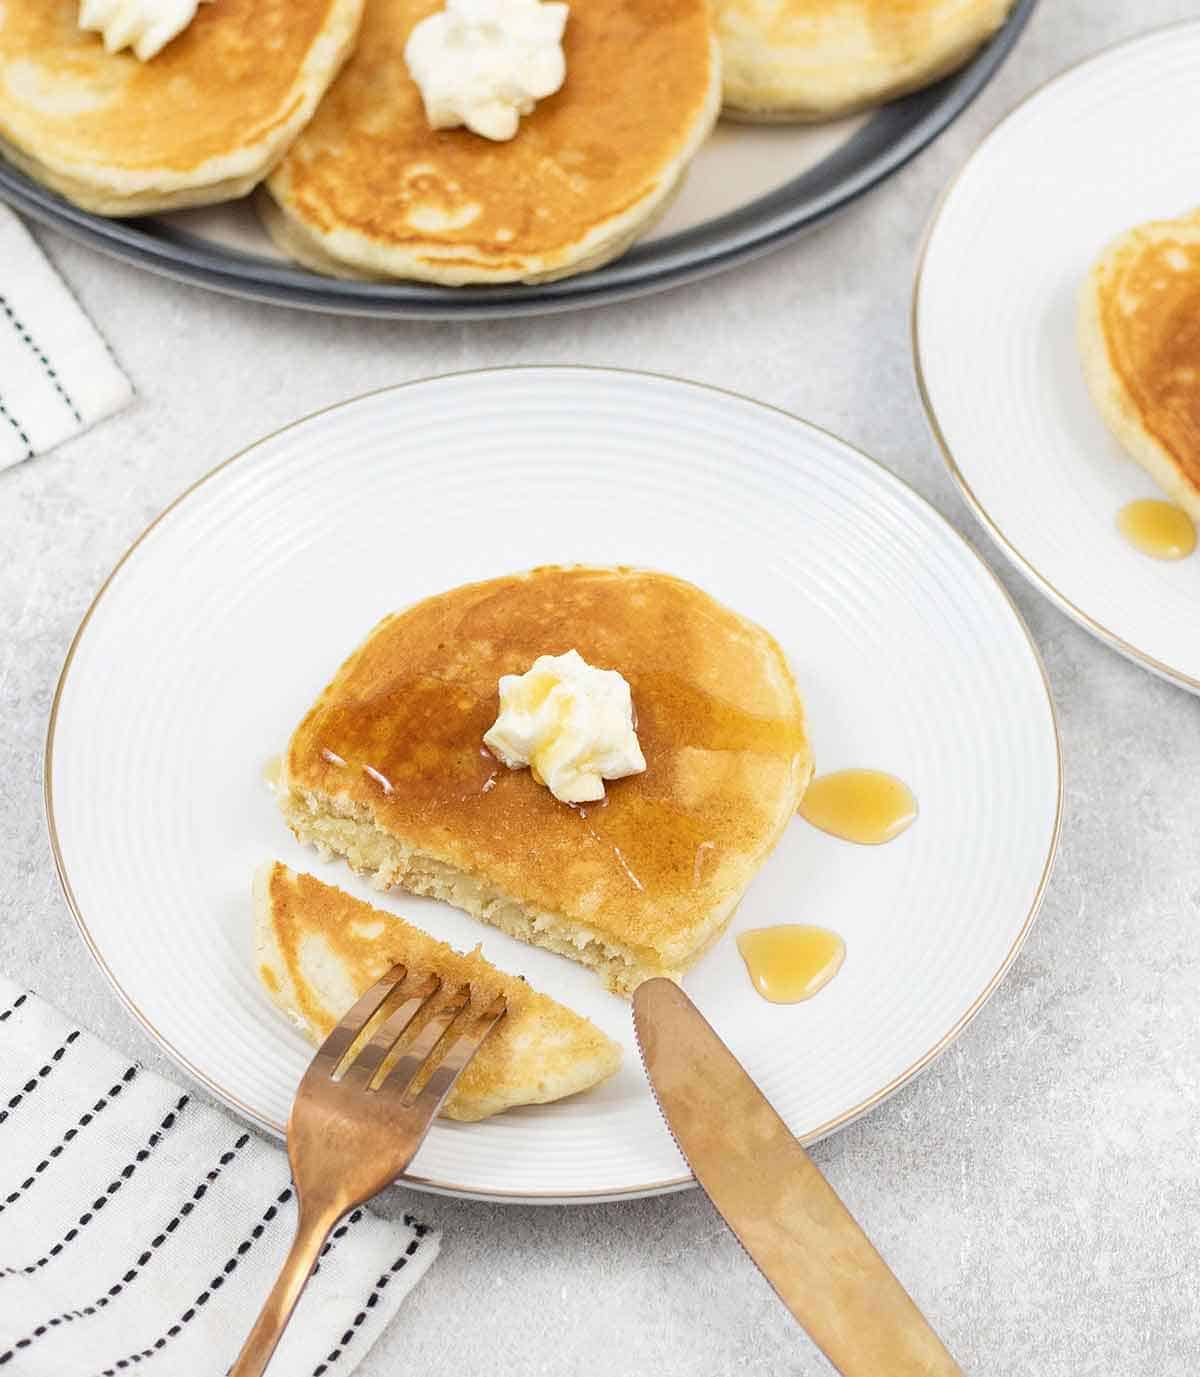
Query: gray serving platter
875 148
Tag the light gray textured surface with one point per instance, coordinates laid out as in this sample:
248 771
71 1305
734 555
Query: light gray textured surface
1039 1188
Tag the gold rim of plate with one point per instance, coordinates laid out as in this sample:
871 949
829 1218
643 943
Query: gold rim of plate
674 1183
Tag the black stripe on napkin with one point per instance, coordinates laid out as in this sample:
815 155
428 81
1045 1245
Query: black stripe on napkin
18 427
219 1280
109 1191
14 1006
206 1295
340 1232
68 1137
372 1300
39 1076
69 1316
39 354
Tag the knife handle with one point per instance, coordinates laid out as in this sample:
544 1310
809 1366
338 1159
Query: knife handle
829 1275
786 1215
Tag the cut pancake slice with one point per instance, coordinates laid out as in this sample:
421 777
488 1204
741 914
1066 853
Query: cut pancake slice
370 190
820 59
318 949
388 769
204 120
1139 338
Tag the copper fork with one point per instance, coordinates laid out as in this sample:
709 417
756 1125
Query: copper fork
358 1118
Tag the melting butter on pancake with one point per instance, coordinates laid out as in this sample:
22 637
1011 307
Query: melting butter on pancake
818 59
369 190
318 949
202 121
389 771
1139 337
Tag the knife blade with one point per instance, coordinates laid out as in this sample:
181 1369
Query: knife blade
783 1211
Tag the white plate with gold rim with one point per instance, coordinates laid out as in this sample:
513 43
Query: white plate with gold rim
1105 146
231 612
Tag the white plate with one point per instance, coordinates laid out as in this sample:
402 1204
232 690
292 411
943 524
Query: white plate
234 608
1108 144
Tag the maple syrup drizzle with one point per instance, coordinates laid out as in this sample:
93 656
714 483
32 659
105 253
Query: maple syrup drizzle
1158 529
791 962
272 773
864 806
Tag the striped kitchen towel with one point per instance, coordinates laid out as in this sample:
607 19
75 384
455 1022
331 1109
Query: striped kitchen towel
57 377
139 1228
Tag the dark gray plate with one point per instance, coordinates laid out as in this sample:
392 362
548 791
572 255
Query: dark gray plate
892 136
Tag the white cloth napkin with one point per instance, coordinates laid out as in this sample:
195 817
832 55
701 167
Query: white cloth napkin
57 377
141 1229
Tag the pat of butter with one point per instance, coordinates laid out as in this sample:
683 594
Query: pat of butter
571 723
146 26
485 63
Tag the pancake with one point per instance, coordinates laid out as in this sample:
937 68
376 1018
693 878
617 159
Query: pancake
204 120
818 59
389 771
1139 337
369 190
318 949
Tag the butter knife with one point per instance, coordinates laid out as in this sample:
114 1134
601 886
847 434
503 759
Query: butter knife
782 1210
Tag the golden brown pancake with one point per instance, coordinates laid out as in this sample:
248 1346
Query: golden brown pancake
1139 334
318 949
389 770
818 59
370 190
202 121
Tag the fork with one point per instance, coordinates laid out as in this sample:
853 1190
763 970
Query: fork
358 1118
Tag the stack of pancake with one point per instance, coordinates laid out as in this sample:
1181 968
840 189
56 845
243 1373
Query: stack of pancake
1139 335
819 59
313 99
203 121
370 190
388 771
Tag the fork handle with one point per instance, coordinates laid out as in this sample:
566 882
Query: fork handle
312 1229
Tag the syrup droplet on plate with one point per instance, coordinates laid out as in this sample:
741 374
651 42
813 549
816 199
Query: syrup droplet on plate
791 962
272 773
864 806
1158 529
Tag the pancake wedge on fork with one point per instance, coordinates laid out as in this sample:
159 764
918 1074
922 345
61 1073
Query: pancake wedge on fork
203 120
1139 337
318 949
370 190
389 771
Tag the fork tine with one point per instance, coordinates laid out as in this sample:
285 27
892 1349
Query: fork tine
331 1052
399 1076
362 1069
461 1051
